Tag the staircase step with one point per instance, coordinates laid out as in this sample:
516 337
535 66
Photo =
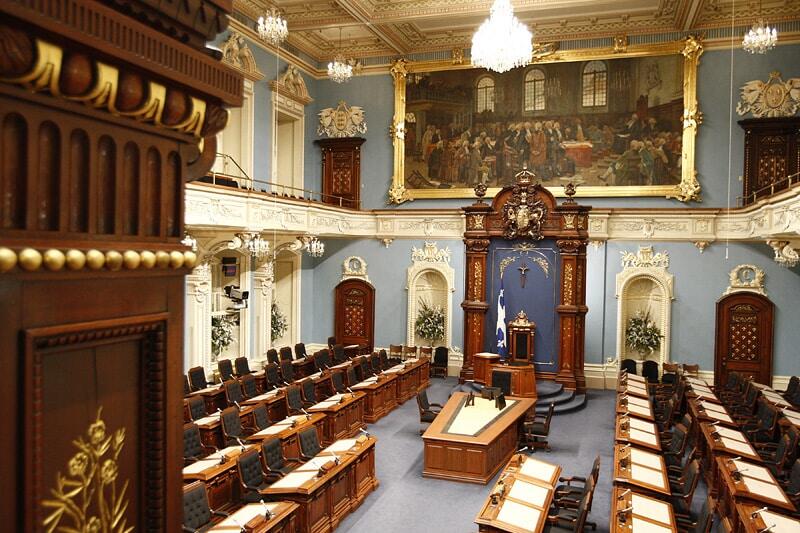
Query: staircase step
561 398
576 403
546 389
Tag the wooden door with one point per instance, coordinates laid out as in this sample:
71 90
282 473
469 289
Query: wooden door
744 337
341 171
355 313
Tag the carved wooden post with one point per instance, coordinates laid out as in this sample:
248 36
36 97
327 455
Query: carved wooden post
475 304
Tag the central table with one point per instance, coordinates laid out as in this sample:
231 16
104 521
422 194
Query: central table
472 443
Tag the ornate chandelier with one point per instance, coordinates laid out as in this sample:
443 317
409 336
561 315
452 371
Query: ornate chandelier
272 27
340 69
502 42
312 245
250 243
760 38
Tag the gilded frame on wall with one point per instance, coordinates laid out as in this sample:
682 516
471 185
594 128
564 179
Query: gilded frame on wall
684 185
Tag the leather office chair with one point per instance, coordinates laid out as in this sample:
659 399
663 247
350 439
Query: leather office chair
502 380
791 485
569 520
339 356
197 407
322 359
384 359
331 342
272 356
309 393
762 428
337 379
777 458
650 371
792 389
704 520
285 353
197 515
309 443
535 432
629 366
193 447
272 379
427 410
242 366
300 351
669 373
692 370
664 414
233 393
187 390
375 363
197 378
252 479
674 444
225 368
577 486
260 417
275 463
683 490
232 428
287 371
294 400
352 378
439 363
364 370
249 386
677 472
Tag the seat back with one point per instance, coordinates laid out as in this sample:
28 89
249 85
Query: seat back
287 371
792 387
286 353
395 350
309 391
261 417
595 473
231 423
782 451
294 400
549 417
502 380
385 364
629 366
364 371
440 356
225 368
690 482
705 519
422 401
677 444
409 352
331 342
338 354
249 466
300 350
352 378
233 392
242 366
197 378
196 511
793 485
271 376
272 356
375 363
249 387
192 444
322 359
197 407
186 388
309 442
650 371
338 381
272 452
426 351
692 370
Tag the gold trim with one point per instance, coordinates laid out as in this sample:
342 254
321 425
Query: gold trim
688 189
32 260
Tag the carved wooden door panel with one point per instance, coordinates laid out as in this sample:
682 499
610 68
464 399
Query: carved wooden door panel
744 337
355 313
341 170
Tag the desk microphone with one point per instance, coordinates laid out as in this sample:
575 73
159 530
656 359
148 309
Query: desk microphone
351 391
267 512
767 529
365 432
239 525
308 416
758 512
626 510
241 444
237 404
623 494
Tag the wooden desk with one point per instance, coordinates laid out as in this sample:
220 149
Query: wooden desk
413 376
218 471
214 398
754 484
381 396
752 520
274 400
641 469
523 379
472 457
344 416
633 388
710 412
481 362
645 513
718 441
287 430
637 431
211 428
304 367
633 405
252 518
324 500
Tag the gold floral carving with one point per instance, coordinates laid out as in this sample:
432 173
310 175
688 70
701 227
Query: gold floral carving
569 221
477 281
475 222
504 264
457 55
568 279
88 496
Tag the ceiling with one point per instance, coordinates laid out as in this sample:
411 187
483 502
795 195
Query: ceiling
402 27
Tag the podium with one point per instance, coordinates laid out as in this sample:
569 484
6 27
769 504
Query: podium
523 379
480 364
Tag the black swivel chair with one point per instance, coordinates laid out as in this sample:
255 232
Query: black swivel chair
375 363
287 371
536 431
251 476
331 342
352 378
197 514
261 417
300 351
650 371
791 485
225 368
294 400
272 356
338 381
242 366
502 380
385 364
193 447
187 390
272 377
285 353
249 386
629 366
197 378
234 393
197 407
576 486
338 354
427 410
232 429
364 369
309 393
309 443
703 522
275 463
439 363
322 359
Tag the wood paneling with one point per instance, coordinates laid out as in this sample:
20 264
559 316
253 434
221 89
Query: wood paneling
744 337
354 313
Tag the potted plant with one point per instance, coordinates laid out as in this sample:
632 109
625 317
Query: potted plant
221 334
642 334
430 322
278 323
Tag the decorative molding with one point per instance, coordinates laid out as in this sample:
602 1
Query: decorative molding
701 245
746 278
430 254
430 264
54 260
237 54
342 121
785 253
645 258
772 98
291 85
354 267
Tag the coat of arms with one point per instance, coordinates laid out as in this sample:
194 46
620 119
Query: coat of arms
342 121
524 213
773 98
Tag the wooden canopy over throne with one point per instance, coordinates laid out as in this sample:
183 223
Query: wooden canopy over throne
526 210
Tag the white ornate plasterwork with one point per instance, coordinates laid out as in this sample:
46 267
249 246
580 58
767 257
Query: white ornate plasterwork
746 278
430 278
264 286
197 345
785 253
237 54
772 98
342 121
644 285
291 85
354 267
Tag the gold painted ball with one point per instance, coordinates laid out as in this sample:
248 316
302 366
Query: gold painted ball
75 259
54 259
162 259
175 259
131 259
148 259
30 259
95 259
8 259
113 260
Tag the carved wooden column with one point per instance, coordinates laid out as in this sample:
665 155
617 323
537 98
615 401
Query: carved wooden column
475 304
571 314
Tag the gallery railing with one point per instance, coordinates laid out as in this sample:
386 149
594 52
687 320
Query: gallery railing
774 187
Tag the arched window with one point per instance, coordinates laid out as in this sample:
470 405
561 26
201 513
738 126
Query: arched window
595 78
534 90
485 94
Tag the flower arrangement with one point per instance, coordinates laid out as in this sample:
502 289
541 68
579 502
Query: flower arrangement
641 334
430 322
221 334
278 323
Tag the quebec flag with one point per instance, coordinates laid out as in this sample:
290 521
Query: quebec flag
502 349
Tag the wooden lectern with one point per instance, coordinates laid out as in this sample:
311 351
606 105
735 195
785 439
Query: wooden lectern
520 333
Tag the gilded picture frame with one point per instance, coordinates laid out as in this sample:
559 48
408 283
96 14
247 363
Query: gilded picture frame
681 182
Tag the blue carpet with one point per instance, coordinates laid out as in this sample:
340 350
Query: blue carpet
407 502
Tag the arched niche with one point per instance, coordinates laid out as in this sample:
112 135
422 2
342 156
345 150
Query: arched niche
430 278
644 285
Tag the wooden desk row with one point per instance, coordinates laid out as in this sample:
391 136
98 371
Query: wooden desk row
393 387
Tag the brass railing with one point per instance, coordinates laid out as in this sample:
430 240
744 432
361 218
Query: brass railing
768 190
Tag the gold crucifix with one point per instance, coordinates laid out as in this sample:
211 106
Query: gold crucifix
522 273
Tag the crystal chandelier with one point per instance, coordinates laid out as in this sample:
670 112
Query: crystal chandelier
250 243
502 42
312 245
760 38
340 69
272 27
